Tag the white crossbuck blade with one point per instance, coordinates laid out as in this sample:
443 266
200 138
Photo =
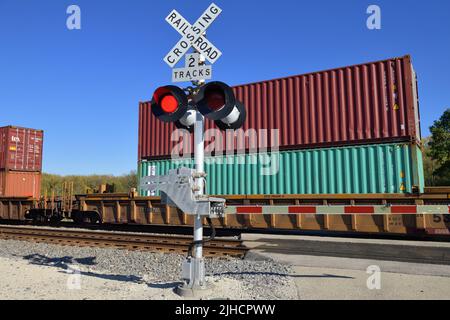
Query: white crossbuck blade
193 36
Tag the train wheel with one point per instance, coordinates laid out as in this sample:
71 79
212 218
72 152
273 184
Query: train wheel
56 219
86 217
90 218
87 220
39 219
93 218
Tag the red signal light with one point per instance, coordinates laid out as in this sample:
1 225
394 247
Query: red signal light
169 103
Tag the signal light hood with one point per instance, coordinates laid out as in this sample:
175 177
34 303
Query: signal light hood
169 103
215 100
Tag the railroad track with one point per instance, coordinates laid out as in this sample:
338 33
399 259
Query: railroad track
128 241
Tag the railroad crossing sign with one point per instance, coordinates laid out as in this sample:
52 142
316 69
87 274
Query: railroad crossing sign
193 36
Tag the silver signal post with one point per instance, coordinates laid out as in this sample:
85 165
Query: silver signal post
199 158
194 267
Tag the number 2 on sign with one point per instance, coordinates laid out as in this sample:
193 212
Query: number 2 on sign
191 62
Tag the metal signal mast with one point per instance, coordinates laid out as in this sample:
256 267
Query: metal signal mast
188 108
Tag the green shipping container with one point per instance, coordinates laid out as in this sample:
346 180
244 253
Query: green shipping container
383 168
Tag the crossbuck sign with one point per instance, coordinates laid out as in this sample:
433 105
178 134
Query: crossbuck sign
192 36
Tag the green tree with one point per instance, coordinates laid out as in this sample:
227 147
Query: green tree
439 149
429 165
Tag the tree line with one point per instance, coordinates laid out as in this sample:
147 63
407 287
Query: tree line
437 153
89 183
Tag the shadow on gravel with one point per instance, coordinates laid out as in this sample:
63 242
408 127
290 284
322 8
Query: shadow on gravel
282 275
165 285
332 276
67 265
61 262
113 277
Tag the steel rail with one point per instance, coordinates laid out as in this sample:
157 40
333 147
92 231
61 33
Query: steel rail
129 241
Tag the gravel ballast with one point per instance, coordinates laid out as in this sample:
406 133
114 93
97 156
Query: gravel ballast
256 279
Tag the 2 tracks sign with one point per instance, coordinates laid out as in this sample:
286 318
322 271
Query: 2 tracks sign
193 71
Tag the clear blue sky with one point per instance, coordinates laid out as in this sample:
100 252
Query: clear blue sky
83 86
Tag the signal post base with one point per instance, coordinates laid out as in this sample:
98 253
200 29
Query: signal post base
197 292
195 285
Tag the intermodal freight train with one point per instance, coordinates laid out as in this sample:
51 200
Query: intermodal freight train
131 209
346 136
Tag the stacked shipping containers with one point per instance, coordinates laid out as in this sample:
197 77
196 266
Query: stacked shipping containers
20 162
354 129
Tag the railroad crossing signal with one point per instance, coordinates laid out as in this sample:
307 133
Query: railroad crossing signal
187 108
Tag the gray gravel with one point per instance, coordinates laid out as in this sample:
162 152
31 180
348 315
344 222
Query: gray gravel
259 279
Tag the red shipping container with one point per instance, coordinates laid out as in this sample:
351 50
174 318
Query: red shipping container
370 103
20 184
21 149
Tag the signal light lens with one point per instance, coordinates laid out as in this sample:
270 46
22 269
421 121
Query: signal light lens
169 103
215 100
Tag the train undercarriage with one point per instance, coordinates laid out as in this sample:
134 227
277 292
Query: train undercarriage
38 215
130 209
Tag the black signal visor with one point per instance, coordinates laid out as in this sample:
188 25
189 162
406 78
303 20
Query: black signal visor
215 100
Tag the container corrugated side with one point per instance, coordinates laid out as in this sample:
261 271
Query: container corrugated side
382 168
20 184
369 103
21 149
